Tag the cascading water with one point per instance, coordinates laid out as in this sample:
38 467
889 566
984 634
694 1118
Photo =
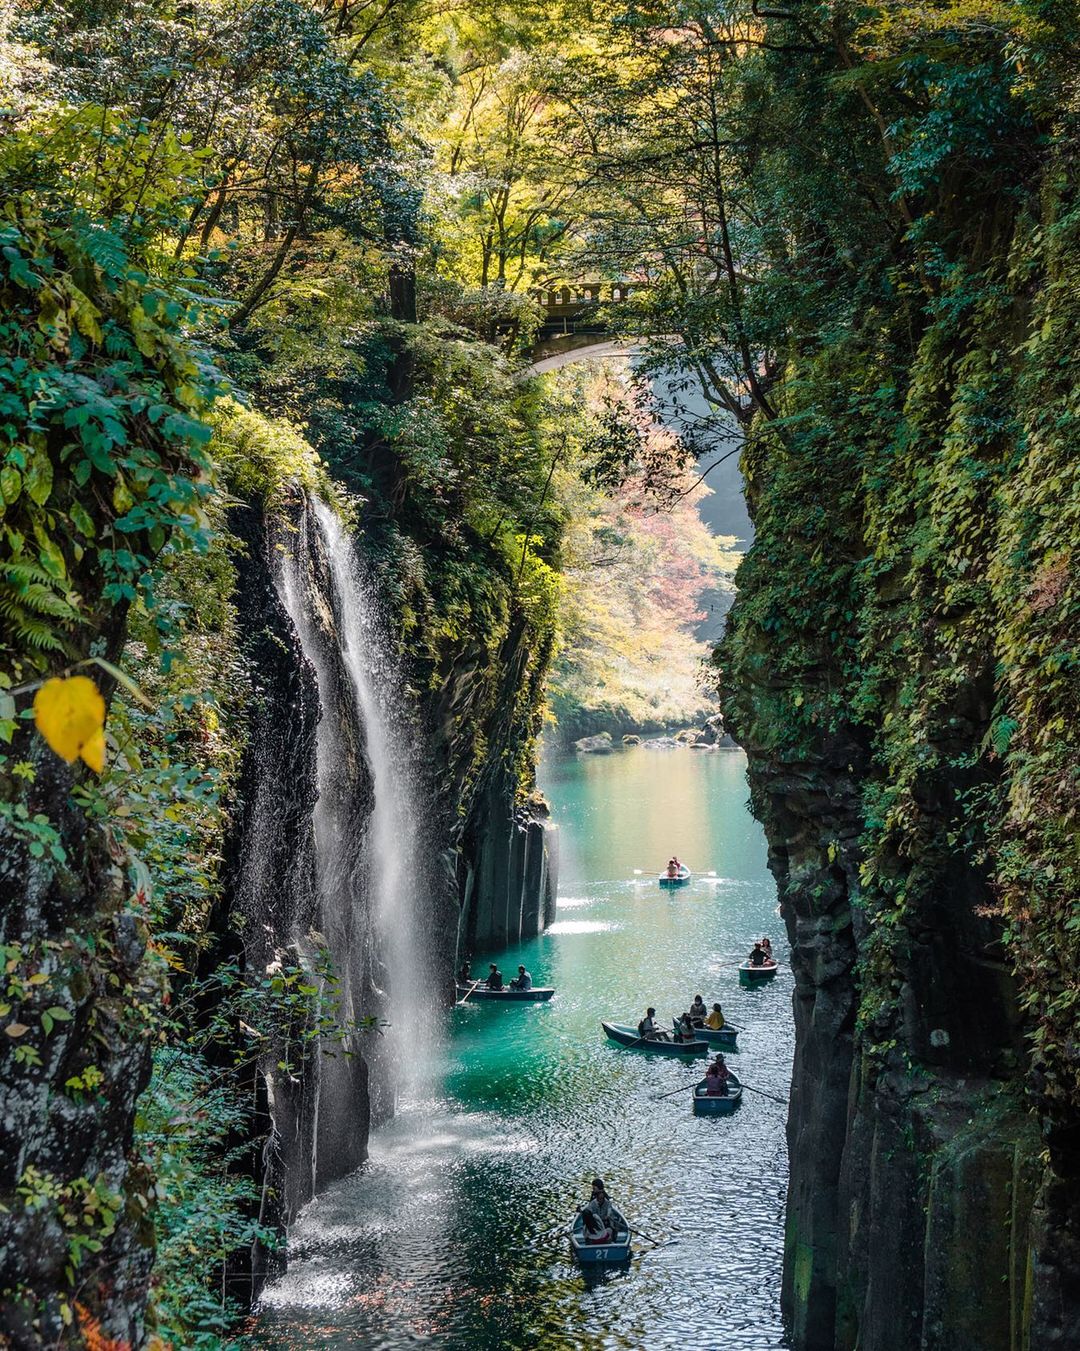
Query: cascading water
394 862
370 835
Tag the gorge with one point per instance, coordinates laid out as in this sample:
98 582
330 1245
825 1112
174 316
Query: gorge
299 560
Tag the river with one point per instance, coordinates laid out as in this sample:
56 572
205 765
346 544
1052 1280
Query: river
445 1238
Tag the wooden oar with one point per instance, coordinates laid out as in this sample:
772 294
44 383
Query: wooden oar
657 1097
782 1101
660 1243
469 991
657 1037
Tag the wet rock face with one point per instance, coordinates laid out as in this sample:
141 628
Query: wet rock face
499 846
919 1214
278 912
74 940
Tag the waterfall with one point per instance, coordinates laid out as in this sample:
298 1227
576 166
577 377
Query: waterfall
395 866
371 835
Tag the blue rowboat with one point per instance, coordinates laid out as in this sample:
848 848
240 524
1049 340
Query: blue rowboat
725 1036
756 975
706 1104
680 880
616 1250
536 994
628 1037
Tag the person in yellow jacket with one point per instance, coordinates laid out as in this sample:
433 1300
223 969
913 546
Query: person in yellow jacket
715 1020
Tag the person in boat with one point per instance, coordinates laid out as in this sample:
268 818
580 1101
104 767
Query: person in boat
673 867
766 948
716 1078
523 981
684 1030
757 955
647 1029
698 1011
494 979
715 1021
465 975
597 1215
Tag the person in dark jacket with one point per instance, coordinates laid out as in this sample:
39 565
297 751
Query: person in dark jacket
597 1215
716 1078
494 980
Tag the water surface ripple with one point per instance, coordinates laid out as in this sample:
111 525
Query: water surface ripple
449 1236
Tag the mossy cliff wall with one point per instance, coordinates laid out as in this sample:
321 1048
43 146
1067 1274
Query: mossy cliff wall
500 850
900 667
293 887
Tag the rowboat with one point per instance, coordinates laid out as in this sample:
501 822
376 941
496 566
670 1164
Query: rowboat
679 880
754 975
706 1104
616 1250
628 1036
536 994
724 1036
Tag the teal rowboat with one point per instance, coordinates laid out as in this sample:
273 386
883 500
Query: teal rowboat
725 1037
712 1104
750 976
628 1037
617 1249
679 880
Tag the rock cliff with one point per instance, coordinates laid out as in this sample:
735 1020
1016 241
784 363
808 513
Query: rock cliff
893 667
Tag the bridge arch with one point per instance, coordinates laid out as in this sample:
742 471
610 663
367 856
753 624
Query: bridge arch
550 356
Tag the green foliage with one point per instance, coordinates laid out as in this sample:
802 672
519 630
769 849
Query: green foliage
104 446
190 1119
907 613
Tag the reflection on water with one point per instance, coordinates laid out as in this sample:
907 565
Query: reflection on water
451 1235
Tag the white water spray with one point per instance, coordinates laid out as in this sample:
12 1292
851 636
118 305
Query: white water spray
394 864
372 867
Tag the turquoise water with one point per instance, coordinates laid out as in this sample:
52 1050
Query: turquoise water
449 1237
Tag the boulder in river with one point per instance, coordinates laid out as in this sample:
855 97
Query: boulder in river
595 745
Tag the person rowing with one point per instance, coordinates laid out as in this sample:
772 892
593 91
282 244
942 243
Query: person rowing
465 974
647 1029
673 867
716 1078
684 1029
757 956
597 1215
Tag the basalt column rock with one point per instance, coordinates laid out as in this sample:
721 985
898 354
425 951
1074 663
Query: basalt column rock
270 888
501 847
290 903
809 807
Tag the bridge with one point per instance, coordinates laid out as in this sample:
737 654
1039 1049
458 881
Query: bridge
573 327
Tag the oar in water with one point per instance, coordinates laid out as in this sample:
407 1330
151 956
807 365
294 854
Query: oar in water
782 1101
469 991
657 1097
660 1243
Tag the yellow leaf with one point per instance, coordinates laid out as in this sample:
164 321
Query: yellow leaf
70 715
93 753
16 1029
